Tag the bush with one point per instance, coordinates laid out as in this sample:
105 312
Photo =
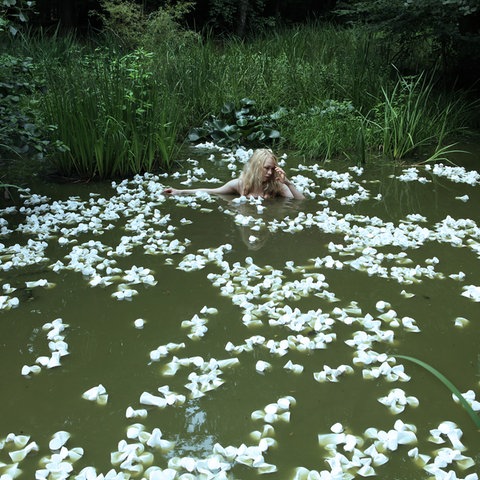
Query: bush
323 131
20 130
132 27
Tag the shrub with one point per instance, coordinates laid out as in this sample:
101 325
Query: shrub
132 27
323 131
20 130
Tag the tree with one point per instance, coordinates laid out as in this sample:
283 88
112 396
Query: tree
445 31
244 17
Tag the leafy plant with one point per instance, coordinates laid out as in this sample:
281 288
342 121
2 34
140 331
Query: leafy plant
236 126
121 113
240 17
13 14
453 389
21 130
112 115
325 130
411 118
133 27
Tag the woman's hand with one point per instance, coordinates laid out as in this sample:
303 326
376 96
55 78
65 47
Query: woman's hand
280 175
171 191
290 189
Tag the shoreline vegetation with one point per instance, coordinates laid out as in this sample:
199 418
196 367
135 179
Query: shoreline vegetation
125 102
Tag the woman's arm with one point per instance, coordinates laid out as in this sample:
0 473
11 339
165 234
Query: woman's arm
230 188
292 191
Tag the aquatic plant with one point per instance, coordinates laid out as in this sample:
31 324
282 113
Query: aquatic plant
112 115
117 114
236 126
453 389
410 119
325 130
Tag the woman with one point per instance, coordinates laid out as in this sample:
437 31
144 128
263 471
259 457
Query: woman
261 177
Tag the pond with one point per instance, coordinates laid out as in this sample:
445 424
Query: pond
208 337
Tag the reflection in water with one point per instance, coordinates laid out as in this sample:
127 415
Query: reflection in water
196 441
253 217
254 239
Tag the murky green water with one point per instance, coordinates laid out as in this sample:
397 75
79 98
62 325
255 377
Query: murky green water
331 259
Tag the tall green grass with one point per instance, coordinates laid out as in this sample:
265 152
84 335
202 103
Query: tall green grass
113 116
294 68
411 119
123 113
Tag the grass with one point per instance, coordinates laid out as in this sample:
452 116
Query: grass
118 114
410 117
113 116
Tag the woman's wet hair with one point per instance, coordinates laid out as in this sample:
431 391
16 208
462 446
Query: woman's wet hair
252 175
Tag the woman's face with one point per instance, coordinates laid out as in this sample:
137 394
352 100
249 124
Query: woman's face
269 170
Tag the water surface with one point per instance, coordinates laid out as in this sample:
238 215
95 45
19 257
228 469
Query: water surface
321 266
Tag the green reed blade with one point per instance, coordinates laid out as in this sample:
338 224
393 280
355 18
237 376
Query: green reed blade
448 384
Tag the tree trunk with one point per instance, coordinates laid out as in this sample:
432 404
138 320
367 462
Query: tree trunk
242 17
66 13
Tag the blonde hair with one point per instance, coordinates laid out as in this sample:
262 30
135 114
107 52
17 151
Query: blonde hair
252 175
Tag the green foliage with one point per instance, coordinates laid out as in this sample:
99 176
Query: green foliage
113 117
431 30
13 14
132 27
123 19
236 126
410 118
21 132
116 114
164 28
239 17
324 131
453 389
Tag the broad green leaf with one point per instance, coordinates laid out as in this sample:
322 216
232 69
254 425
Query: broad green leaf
247 102
228 107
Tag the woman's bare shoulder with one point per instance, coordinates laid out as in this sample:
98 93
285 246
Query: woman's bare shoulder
232 187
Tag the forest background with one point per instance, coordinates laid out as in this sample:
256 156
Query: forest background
96 89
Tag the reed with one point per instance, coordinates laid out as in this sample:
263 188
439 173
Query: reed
325 131
112 116
411 119
120 114
292 68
